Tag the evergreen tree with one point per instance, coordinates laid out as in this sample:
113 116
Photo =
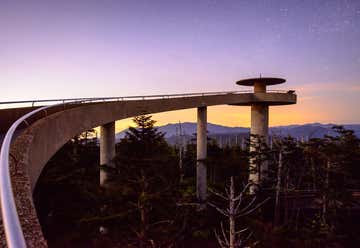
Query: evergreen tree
146 181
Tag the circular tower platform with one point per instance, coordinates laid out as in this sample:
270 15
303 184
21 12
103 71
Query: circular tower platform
261 80
260 83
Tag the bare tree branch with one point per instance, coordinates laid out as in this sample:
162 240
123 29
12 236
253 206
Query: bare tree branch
218 194
234 210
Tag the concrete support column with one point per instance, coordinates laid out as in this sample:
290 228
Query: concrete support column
260 120
260 127
107 149
259 87
201 153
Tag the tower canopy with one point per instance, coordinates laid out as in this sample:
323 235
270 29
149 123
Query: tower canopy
262 80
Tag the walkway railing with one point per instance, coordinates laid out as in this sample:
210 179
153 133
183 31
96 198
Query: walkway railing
10 218
127 98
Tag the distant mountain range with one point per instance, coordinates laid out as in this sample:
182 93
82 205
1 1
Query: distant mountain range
306 131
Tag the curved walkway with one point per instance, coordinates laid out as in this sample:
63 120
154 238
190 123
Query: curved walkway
44 137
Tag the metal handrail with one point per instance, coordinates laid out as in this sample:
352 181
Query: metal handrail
10 218
146 97
11 223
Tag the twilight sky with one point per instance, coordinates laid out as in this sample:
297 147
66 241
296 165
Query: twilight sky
73 48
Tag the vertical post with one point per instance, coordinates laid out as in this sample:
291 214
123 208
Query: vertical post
107 149
201 153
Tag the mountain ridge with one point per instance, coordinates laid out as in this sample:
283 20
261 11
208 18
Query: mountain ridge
309 130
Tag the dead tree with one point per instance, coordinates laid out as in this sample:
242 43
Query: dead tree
278 189
233 238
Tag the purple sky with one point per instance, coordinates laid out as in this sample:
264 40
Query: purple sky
112 48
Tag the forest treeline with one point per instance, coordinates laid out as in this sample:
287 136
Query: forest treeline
310 196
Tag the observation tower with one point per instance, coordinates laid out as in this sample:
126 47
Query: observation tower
260 102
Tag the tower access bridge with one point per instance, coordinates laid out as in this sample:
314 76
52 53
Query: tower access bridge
31 135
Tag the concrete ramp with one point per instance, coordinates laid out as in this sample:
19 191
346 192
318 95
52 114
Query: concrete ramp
50 130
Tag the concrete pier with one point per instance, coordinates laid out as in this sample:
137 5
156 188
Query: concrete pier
260 128
201 153
107 149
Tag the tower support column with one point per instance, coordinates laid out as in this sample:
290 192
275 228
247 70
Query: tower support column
107 149
260 128
201 153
